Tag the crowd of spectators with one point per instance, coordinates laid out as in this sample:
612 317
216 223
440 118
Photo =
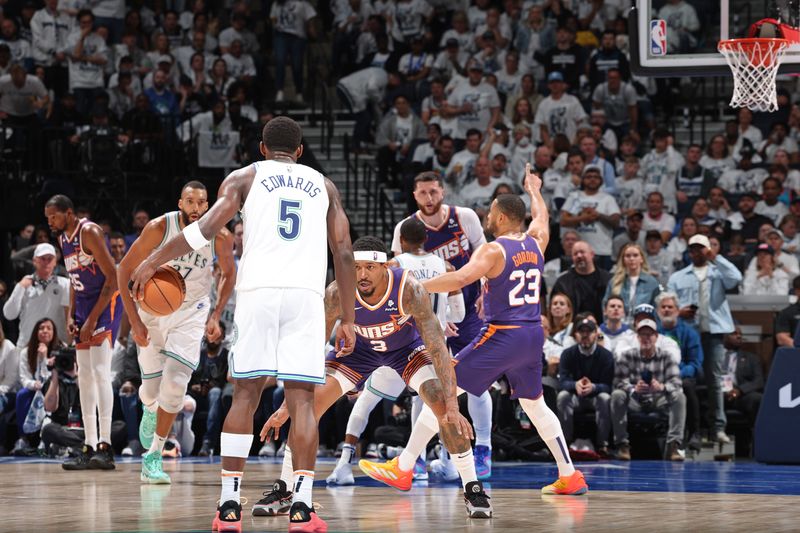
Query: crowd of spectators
649 236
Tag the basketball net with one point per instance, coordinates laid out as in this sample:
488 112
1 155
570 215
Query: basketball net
754 63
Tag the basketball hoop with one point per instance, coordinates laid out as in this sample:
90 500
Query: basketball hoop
754 63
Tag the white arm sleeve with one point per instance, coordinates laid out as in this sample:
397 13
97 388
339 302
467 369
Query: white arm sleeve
472 227
455 308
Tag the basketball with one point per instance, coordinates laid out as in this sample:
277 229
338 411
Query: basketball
164 292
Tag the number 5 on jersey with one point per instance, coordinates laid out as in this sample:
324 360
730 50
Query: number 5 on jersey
289 225
530 289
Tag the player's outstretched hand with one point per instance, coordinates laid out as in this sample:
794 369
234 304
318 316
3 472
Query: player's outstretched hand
345 339
140 276
454 417
533 183
272 427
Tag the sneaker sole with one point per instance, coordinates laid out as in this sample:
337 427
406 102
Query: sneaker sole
101 466
227 526
75 467
579 492
479 513
154 481
267 511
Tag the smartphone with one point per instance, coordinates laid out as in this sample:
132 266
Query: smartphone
647 376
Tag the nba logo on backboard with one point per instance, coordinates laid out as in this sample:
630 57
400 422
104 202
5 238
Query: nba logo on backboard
658 37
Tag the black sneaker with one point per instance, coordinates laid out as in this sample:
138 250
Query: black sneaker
303 518
205 449
103 458
478 505
79 461
228 517
275 502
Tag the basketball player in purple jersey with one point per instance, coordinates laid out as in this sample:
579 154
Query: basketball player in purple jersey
511 342
96 312
395 327
454 234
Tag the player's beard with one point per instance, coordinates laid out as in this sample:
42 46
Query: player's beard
185 218
368 293
435 209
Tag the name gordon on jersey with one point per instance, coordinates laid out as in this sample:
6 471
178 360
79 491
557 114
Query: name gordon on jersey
276 182
379 331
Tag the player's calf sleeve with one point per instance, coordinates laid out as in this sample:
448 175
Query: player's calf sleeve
480 410
359 416
100 357
423 431
87 389
549 429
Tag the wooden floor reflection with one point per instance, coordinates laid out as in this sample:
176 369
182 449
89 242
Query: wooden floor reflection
43 498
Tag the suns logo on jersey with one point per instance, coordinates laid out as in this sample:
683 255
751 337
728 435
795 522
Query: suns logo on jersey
455 247
78 261
381 331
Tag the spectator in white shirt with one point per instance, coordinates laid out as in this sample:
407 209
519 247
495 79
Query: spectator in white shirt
460 31
717 159
291 30
216 120
746 128
88 54
655 218
659 167
559 112
765 278
184 54
240 65
784 261
19 48
21 96
396 133
50 28
770 206
477 195
475 103
286 12
509 78
778 138
682 23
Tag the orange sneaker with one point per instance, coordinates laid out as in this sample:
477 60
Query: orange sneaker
303 519
573 485
388 472
228 517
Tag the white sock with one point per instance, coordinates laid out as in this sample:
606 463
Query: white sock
416 408
423 431
549 429
480 410
158 443
348 451
231 486
287 470
465 464
303 482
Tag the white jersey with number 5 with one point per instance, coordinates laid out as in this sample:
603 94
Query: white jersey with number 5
196 267
426 267
285 229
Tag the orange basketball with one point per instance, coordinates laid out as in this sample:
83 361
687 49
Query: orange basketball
164 292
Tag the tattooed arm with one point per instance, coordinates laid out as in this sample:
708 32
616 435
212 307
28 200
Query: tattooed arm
417 303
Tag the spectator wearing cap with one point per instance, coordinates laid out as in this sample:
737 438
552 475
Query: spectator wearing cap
691 361
88 54
475 103
701 289
565 57
594 214
291 30
632 281
163 101
746 221
584 284
450 61
745 177
586 375
783 260
647 379
240 64
38 296
559 113
633 234
788 319
763 275
619 101
660 166
588 145
415 66
616 332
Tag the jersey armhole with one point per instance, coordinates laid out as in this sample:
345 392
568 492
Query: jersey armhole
401 292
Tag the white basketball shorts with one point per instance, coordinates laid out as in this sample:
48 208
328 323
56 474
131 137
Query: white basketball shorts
177 336
279 332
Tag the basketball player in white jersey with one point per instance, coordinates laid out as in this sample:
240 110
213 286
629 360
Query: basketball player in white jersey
385 383
289 213
169 346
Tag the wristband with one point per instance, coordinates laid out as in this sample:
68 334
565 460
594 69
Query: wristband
194 236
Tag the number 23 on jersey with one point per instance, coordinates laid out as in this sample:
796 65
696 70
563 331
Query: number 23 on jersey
526 291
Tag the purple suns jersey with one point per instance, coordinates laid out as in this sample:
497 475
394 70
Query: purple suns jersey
385 327
513 296
84 273
451 243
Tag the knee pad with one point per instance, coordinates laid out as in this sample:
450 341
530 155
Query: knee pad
174 380
148 391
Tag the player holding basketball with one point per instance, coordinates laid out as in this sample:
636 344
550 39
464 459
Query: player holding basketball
96 313
454 234
169 346
395 327
389 385
511 343
289 211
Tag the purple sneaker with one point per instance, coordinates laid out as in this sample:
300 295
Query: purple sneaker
483 462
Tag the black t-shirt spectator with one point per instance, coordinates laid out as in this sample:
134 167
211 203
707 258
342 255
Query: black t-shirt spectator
585 292
570 62
788 319
68 397
598 367
603 61
751 226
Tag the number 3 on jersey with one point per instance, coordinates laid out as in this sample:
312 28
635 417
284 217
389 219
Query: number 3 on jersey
289 225
530 289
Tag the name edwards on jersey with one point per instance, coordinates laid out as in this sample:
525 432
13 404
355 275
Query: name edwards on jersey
272 183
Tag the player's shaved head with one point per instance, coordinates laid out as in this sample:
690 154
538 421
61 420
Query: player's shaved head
282 134
512 206
61 203
412 231
369 243
194 184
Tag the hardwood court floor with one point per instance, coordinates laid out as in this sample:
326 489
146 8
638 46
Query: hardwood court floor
643 496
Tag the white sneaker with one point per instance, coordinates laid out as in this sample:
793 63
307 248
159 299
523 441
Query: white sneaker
279 96
445 469
281 451
341 475
267 450
723 438
127 451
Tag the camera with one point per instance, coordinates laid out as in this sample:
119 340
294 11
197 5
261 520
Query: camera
65 359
